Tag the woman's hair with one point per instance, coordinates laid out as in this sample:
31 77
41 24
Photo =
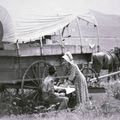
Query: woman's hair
51 70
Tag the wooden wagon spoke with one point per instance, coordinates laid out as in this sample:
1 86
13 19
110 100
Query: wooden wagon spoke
39 95
30 79
43 76
38 98
44 72
38 70
34 72
30 87
34 76
33 80
35 95
39 75
41 68
28 76
39 82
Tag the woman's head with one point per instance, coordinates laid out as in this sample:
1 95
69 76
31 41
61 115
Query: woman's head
68 57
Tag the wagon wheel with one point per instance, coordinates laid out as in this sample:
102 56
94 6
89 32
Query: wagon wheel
32 80
89 73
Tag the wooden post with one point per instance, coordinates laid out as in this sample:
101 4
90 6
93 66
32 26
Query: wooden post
41 47
79 30
18 56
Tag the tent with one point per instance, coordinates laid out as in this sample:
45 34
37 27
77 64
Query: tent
32 25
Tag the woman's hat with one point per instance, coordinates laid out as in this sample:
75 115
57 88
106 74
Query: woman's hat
68 57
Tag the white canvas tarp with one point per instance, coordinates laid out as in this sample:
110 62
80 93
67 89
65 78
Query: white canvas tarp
7 30
36 26
33 25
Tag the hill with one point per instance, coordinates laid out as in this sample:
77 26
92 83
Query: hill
108 31
109 25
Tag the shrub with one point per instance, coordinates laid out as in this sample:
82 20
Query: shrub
113 89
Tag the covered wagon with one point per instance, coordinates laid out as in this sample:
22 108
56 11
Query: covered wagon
29 45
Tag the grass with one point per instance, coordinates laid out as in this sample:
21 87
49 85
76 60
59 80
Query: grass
65 115
106 106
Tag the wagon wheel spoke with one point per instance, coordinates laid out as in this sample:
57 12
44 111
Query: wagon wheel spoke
29 87
35 73
35 83
35 77
35 93
39 73
45 69
36 97
38 70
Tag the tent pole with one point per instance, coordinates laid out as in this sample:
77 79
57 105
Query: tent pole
80 36
62 44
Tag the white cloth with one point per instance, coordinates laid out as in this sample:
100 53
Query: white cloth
30 26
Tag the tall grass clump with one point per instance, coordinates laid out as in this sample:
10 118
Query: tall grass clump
112 102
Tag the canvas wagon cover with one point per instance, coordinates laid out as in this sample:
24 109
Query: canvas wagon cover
31 25
7 32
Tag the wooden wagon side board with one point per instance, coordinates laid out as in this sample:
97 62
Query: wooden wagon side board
53 50
24 50
8 53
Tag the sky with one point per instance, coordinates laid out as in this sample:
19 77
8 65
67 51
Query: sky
62 6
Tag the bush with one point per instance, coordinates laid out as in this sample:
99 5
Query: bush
113 89
116 90
112 102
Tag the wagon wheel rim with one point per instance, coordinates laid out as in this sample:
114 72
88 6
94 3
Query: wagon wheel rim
32 79
89 73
